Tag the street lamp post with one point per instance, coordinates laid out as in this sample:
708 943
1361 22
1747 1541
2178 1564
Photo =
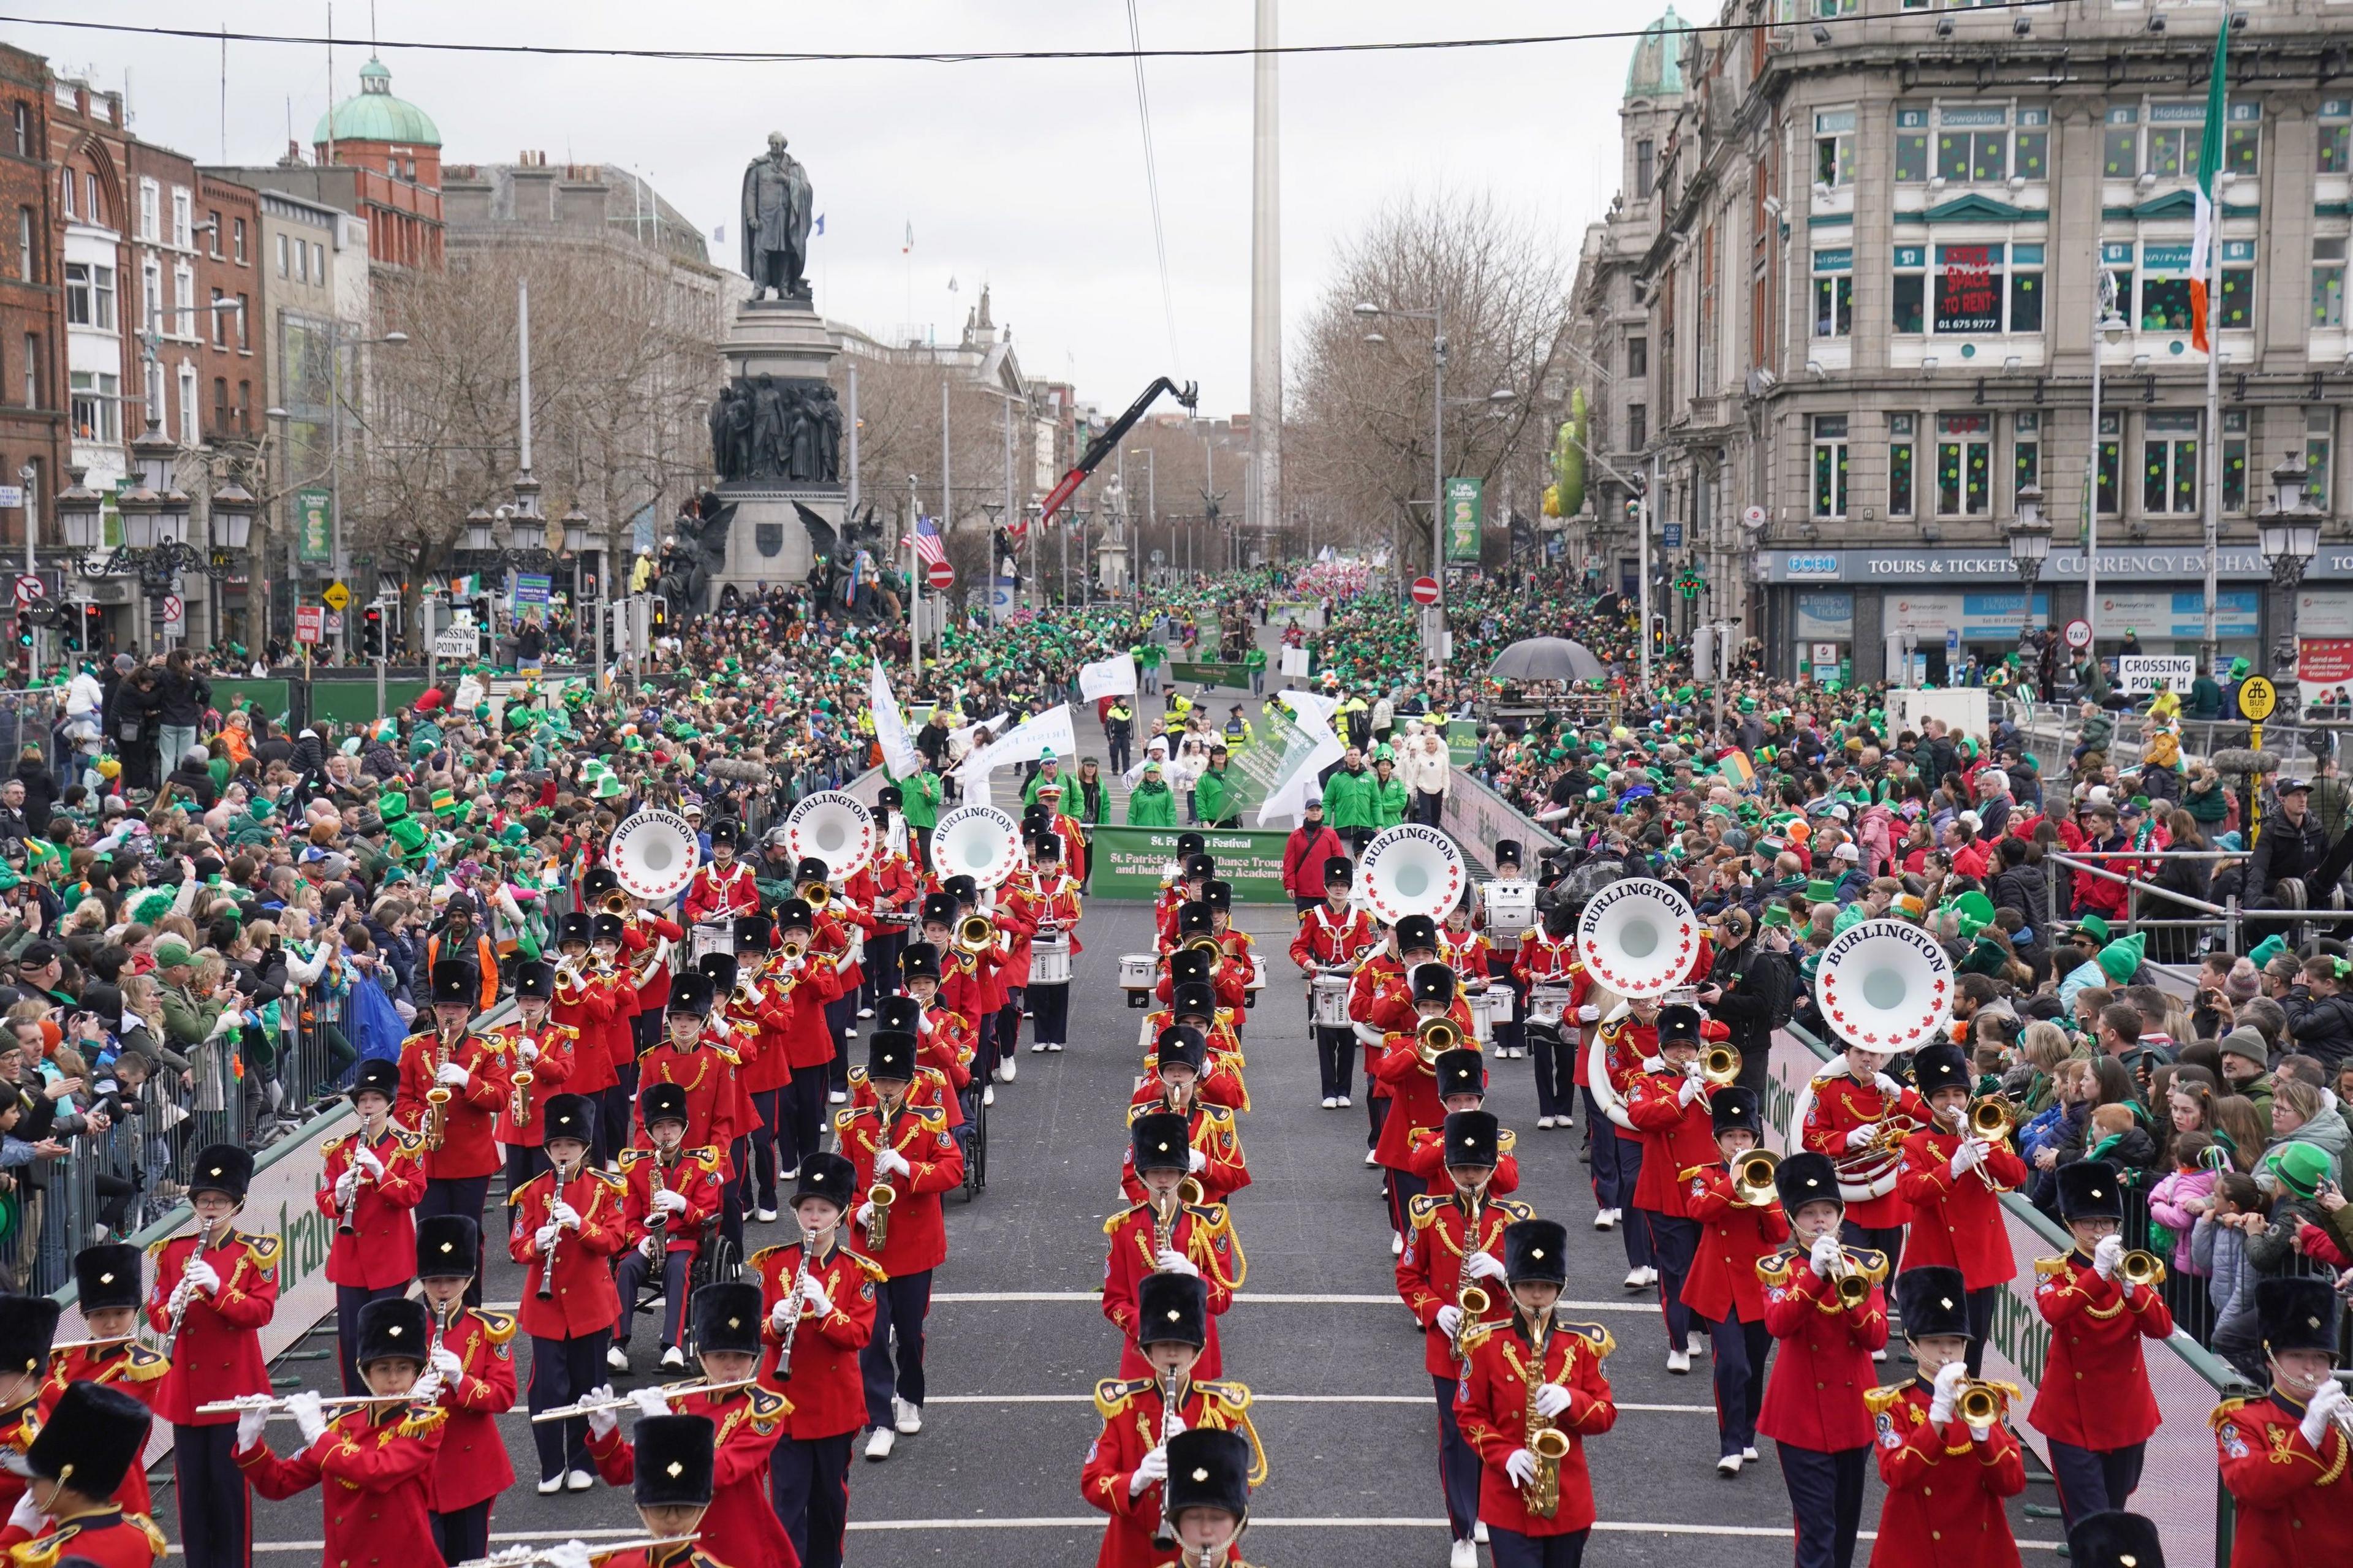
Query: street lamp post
2109 329
2030 546
154 523
1436 318
2288 530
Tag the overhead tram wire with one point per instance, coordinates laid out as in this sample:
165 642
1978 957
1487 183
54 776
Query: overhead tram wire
982 56
1152 183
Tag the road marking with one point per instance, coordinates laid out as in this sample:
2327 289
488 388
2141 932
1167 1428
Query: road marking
1258 1398
1270 1299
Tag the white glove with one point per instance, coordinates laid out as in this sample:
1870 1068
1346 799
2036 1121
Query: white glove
2326 1401
1968 1157
649 1401
813 1292
450 1364
1689 1090
1172 1261
1484 1266
345 1186
544 1239
250 1426
2108 1256
669 1202
452 1075
1589 1014
528 1052
1152 1466
890 1162
427 1390
1861 1136
309 1415
781 1314
366 1159
1521 1466
603 1423
1948 1392
1824 1255
565 1215
27 1516
1196 1161
1551 1399
865 1215
575 1553
1887 1084
201 1276
1450 1320
1654 1063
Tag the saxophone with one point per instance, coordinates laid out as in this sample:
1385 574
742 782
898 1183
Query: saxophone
518 1106
1546 1442
436 1099
1164 1227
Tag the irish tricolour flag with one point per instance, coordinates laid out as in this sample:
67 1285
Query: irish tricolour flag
2204 239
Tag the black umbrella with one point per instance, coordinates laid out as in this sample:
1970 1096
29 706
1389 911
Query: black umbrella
1545 659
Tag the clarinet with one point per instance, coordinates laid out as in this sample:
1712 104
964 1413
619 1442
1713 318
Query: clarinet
1172 1421
547 1260
800 1310
184 1292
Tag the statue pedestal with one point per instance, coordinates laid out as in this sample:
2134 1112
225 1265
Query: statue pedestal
768 544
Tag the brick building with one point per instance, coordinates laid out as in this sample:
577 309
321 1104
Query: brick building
32 419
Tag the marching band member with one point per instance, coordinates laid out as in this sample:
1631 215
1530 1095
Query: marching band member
1535 1363
1046 904
230 1293
1860 1116
672 1196
75 1469
2093 1402
1065 827
28 1326
674 1458
1129 1460
887 885
473 1350
1735 1234
107 1290
1455 1245
535 1044
2285 1456
835 929
636 1024
1413 1084
1378 973
1669 1107
1236 950
819 1298
1192 1006
1208 1495
691 1060
379 1456
906 1151
1466 951
1630 1046
1547 957
814 983
568 1224
1227 977
1511 1035
588 1001
458 1130
1822 1301
767 1073
934 1085
1163 1234
1215 1157
741 1524
1331 937
1197 871
1462 1074
368 1183
986 971
948 1040
1947 1478
1952 1181
723 886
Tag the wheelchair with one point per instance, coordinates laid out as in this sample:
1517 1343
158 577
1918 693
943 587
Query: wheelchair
717 1260
975 1133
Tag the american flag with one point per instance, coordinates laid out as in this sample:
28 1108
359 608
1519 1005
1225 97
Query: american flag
928 550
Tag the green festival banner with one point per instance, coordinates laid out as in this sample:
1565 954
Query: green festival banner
1131 862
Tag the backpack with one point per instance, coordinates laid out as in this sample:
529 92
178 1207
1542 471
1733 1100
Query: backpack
1769 973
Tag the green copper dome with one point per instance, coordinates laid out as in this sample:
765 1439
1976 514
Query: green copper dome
1657 68
376 116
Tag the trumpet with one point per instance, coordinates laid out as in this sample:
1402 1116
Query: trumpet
525 1556
1435 1036
673 1392
791 951
1852 1284
975 933
1752 1178
1991 1119
2145 1269
1203 943
1719 1065
1982 1402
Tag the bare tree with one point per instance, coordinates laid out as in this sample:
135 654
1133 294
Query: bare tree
1358 443
899 436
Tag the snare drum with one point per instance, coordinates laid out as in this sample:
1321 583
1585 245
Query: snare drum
1332 1001
1499 999
1049 961
1511 907
711 936
1483 1014
1546 1004
1138 973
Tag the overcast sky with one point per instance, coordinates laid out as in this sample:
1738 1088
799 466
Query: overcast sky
1029 176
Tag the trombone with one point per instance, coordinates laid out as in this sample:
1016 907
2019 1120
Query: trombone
1719 1065
1434 1037
1752 1179
816 894
672 1391
975 933
1202 942
1853 1286
616 902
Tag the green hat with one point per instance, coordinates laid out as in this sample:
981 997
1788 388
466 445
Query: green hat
150 907
2120 960
609 788
445 803
2299 1166
171 953
408 833
2096 928
1975 911
1853 914
2263 951
1821 892
259 808
392 804
2237 667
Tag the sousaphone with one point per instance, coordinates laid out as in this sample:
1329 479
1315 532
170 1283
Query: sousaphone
654 855
834 827
976 841
1411 870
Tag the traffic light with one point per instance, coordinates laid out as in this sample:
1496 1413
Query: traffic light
662 614
24 624
371 631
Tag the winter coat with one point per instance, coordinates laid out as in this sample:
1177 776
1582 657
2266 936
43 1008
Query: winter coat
2220 1253
1152 805
1388 801
41 792
2324 1029
2166 1207
2022 888
180 699
1348 799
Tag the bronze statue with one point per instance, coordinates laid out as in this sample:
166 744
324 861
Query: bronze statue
778 208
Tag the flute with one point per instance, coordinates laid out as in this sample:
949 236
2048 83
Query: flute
669 1391
279 1406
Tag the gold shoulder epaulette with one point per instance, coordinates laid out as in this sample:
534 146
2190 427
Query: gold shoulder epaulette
757 1259
1507 1143
1775 1270
1110 1226
856 1074
1234 1396
1217 1216
1873 1265
410 1142
1141 1108
2045 1267
155 1248
842 1118
934 1117
147 1526
874 1271
500 1327
144 1364
417 1423
727 1054
1423 1209
1218 1112
545 1178
1688 1172
632 1158
1113 1394
1879 1401
613 1184
768 1405
2224 1411
266 1251
1601 1340
1835 1071
706 1158
332 1144
1517 1208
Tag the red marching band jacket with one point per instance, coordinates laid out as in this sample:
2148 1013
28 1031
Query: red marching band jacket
1430 1270
380 1461
2095 1389
382 1248
584 1298
1491 1402
218 1353
1945 1489
1204 1235
472 1465
1956 1221
915 1236
469 1144
1814 1398
741 1525
827 1397
1733 1240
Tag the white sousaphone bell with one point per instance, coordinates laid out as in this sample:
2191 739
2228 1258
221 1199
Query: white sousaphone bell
976 841
1885 984
834 827
654 855
1637 937
1411 870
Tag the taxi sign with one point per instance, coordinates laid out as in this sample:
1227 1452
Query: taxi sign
336 596
2257 698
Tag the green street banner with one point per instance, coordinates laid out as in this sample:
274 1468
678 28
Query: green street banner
1466 516
1208 673
1463 740
313 533
1270 760
1130 862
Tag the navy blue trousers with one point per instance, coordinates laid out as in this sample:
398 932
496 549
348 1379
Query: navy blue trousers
1740 1353
1675 1242
631 1278
562 1372
1510 1548
216 1514
900 1305
1825 1500
1458 1464
808 1482
2093 1480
